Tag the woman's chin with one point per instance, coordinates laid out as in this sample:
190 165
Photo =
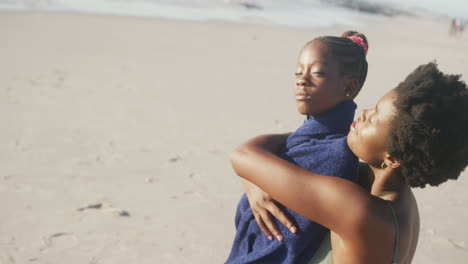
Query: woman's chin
302 110
352 144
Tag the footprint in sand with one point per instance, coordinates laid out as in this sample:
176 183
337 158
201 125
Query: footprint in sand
6 258
279 125
59 241
193 194
457 244
458 203
175 159
429 231
21 146
152 179
8 177
449 242
105 207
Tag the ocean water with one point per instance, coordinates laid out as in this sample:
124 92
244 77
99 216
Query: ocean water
296 13
449 8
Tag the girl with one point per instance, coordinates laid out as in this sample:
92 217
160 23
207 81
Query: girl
329 74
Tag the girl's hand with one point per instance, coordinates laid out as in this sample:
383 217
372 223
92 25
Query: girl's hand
263 207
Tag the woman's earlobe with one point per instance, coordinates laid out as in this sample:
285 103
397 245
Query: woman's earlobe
391 162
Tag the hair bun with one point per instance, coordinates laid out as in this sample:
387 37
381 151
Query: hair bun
357 38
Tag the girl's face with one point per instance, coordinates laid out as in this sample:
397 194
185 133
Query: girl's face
319 85
369 133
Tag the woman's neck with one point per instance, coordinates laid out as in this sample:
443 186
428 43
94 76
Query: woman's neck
388 183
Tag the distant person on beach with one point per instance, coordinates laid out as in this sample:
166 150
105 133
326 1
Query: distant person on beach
416 135
459 27
329 74
453 27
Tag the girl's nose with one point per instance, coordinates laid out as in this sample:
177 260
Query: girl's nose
302 81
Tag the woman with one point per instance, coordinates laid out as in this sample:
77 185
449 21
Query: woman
416 135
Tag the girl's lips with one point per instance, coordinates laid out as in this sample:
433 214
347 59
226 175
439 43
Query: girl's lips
302 97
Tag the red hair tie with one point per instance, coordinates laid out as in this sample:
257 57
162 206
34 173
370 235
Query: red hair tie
360 42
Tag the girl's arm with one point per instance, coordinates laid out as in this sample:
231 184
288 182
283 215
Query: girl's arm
329 201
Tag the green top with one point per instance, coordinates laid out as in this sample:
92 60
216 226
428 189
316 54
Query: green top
324 252
323 255
397 235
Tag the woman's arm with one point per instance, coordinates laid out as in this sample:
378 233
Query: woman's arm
263 208
272 143
262 204
332 202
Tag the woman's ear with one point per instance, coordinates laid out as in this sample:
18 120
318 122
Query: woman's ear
391 161
351 87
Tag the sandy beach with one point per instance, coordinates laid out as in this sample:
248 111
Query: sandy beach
117 131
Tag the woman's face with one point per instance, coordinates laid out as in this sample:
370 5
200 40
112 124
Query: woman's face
319 86
369 133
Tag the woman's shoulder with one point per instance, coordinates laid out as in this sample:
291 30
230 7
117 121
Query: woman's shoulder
393 225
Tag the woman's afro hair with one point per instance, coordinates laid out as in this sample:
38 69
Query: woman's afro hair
430 131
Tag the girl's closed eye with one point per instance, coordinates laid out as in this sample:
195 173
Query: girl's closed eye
318 73
298 74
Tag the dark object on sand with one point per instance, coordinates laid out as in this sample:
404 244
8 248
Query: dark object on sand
106 207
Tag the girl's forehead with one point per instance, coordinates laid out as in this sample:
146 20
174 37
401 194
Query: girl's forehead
315 47
315 52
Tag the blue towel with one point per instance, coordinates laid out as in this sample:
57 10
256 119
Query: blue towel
319 145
